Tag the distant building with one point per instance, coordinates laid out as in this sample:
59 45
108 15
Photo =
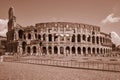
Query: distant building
3 42
56 38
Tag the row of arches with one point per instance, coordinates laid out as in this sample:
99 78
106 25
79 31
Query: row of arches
74 50
74 38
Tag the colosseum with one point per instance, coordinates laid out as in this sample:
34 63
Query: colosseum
56 38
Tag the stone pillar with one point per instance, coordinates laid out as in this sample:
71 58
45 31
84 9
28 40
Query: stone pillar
31 51
52 38
70 50
75 38
86 51
52 49
81 51
58 50
47 50
76 52
64 52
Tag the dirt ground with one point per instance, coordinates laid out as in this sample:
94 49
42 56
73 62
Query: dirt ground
19 71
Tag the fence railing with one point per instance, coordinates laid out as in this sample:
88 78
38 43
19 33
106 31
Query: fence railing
115 67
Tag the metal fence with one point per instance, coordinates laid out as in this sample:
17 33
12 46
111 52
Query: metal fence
92 65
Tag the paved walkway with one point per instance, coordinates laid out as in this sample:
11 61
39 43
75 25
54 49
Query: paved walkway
18 71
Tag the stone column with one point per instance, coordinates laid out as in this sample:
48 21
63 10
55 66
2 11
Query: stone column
75 38
64 52
52 49
58 50
76 52
81 51
31 51
52 37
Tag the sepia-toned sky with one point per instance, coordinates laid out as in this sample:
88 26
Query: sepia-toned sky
103 13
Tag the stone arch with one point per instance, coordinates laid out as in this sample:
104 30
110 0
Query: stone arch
104 50
20 34
29 36
55 37
68 50
34 49
84 37
73 50
93 50
101 51
93 39
28 50
84 50
73 38
78 38
79 50
61 50
55 50
50 37
44 37
39 37
50 50
44 50
89 50
97 50
89 38
24 36
36 36
97 40
23 46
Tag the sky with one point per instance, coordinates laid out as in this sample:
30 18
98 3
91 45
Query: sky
103 13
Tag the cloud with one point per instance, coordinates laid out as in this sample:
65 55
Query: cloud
115 38
111 19
3 27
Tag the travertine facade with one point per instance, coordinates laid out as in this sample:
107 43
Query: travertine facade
56 38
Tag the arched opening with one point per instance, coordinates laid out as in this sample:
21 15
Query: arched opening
28 50
34 49
97 50
61 50
35 36
39 37
89 38
20 33
89 50
44 37
79 50
23 46
50 37
73 38
44 51
84 50
97 40
84 38
93 50
101 50
78 38
55 50
24 36
104 50
50 50
68 50
55 37
73 50
29 36
93 39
